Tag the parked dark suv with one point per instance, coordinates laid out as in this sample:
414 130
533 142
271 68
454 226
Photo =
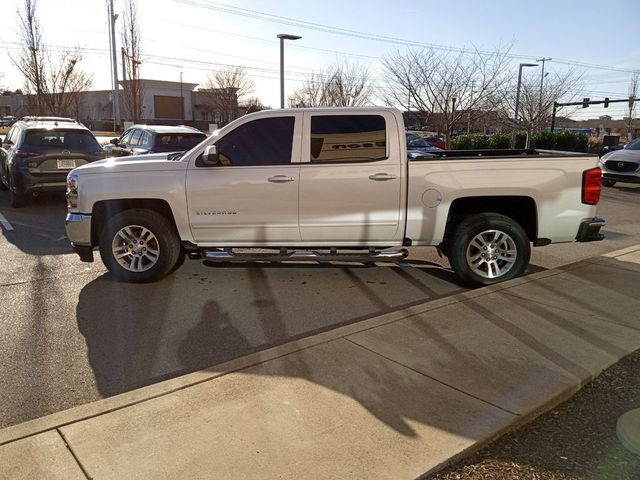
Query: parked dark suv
142 139
38 152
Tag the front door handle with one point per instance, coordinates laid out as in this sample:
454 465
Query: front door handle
280 179
380 177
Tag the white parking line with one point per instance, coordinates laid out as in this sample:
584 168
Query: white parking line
5 223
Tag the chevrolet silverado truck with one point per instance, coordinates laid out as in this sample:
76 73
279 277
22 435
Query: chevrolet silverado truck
329 184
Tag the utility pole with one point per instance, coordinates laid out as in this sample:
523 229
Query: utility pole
516 124
633 91
112 28
473 84
540 118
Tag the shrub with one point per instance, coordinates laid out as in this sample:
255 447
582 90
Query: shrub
500 140
544 140
521 139
462 142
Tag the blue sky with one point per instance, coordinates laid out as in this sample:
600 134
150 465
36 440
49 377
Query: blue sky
198 36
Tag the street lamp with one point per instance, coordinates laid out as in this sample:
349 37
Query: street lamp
283 37
181 97
542 77
515 120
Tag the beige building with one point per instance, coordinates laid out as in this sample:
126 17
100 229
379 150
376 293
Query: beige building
162 103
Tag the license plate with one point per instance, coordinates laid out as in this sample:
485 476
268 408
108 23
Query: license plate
66 164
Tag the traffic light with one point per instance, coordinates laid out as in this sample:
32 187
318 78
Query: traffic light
606 102
585 102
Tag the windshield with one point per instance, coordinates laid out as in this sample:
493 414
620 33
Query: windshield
635 145
414 140
179 141
72 140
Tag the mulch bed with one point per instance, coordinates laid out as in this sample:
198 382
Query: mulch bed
575 441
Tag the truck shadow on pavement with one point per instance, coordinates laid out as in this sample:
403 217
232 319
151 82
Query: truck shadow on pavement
138 334
460 369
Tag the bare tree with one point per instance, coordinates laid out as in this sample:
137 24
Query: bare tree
31 59
445 87
131 61
225 89
252 104
311 93
55 83
534 114
340 85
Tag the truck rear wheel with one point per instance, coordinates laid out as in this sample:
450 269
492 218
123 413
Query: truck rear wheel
139 246
488 248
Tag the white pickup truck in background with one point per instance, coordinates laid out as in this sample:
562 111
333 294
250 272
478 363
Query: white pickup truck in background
329 184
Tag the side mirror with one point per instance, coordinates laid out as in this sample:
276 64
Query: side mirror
114 141
210 156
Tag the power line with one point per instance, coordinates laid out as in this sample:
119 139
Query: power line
368 36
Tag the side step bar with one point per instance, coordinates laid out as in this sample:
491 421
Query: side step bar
286 255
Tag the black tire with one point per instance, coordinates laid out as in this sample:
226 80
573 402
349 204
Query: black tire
505 254
16 200
608 183
146 229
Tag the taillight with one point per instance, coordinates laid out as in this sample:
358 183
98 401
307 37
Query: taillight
23 154
591 186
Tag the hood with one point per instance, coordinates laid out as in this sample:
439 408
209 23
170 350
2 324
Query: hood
135 163
623 155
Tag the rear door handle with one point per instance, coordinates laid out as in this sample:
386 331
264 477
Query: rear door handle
380 177
280 179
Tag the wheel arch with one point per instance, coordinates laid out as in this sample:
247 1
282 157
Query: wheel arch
521 209
105 209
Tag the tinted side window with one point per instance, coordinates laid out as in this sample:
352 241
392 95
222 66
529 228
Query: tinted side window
348 138
14 136
146 140
137 135
267 141
126 137
7 137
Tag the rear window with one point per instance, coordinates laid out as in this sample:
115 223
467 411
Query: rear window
182 141
72 140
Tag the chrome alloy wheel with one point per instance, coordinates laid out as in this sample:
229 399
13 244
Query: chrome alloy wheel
136 248
491 254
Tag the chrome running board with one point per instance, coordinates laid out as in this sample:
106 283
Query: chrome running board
393 254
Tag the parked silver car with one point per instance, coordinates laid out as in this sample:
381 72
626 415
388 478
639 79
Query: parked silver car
621 165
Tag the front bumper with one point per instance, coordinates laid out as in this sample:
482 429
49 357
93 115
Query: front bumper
621 177
78 227
589 230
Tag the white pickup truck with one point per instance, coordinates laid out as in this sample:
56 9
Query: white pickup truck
329 184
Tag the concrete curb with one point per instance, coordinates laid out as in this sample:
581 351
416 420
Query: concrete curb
127 399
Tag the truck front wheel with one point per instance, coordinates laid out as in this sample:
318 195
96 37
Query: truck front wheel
139 246
488 248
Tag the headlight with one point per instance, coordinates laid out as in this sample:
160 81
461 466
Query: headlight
72 191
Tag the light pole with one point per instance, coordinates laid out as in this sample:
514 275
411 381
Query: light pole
515 119
112 35
181 97
542 76
283 37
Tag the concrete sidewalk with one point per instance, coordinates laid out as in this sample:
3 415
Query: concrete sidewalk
395 396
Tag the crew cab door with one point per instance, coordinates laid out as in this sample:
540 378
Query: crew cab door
351 182
250 198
